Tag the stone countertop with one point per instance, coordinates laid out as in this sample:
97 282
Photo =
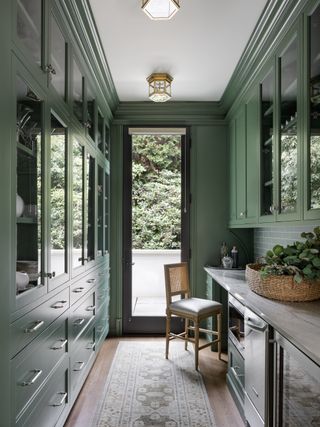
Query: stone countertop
298 322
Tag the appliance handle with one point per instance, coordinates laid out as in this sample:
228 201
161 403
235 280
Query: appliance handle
256 327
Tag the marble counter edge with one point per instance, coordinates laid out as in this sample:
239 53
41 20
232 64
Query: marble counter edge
302 320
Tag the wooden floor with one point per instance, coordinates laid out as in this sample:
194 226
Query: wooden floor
212 370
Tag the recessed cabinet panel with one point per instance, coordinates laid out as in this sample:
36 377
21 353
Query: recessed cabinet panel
288 155
313 149
29 189
267 144
58 59
77 205
90 114
29 27
58 161
100 131
77 91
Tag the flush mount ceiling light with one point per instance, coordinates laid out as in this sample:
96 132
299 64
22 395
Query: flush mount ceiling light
160 9
159 87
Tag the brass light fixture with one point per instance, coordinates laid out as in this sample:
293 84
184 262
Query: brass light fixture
159 87
160 9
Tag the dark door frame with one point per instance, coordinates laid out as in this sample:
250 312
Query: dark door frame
137 324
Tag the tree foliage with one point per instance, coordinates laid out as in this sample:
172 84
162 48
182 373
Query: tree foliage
156 192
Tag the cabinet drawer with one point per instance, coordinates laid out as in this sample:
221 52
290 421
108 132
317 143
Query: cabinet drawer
236 368
82 316
80 357
28 327
82 286
51 400
32 367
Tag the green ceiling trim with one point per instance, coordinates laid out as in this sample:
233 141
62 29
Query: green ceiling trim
181 113
81 22
276 20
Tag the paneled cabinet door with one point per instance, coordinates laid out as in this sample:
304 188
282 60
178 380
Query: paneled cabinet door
312 135
57 67
232 173
30 249
241 166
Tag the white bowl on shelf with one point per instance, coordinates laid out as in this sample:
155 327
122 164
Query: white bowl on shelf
19 205
22 280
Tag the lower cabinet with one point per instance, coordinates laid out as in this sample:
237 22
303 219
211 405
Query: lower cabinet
53 349
235 376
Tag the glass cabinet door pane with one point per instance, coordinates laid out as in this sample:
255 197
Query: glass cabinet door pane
107 143
90 202
29 27
106 213
77 91
57 263
314 118
29 189
100 210
77 205
90 123
267 143
288 129
100 132
58 58
298 400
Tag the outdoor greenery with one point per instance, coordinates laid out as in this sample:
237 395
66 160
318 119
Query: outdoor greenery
301 260
156 192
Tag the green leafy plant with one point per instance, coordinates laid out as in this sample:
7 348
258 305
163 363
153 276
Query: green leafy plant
301 260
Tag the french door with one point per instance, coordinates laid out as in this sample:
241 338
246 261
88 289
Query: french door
156 212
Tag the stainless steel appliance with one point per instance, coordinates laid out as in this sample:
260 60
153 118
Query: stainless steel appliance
256 369
236 324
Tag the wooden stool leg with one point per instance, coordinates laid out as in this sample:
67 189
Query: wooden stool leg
219 335
167 335
196 344
186 336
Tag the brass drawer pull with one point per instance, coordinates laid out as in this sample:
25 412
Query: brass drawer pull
91 308
91 346
60 346
78 290
91 280
80 366
37 373
37 325
62 399
78 322
59 304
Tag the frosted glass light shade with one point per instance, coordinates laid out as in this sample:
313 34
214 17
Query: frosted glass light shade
159 87
160 9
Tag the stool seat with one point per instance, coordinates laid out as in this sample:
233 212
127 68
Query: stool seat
196 306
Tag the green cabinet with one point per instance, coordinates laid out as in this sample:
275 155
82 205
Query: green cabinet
243 152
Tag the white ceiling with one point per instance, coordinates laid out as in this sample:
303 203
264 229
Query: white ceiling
200 46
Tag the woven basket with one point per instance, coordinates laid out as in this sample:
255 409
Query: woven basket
282 288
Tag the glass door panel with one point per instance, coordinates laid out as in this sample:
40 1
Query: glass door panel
58 161
77 205
90 208
100 211
29 27
314 114
100 131
77 91
267 143
107 143
106 213
90 114
58 58
29 189
288 185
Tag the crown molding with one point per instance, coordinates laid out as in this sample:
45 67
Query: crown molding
182 113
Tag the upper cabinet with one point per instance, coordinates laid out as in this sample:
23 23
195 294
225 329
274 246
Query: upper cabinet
57 67
312 128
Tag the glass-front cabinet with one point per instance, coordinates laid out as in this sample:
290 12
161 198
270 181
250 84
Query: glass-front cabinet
267 144
312 146
30 268
77 93
57 67
90 209
100 207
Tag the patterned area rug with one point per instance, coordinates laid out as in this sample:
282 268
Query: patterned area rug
143 389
